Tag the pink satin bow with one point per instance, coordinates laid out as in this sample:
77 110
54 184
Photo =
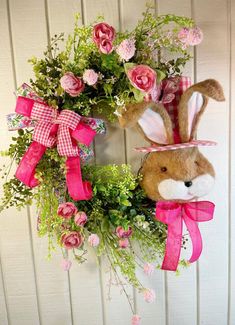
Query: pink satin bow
65 129
173 214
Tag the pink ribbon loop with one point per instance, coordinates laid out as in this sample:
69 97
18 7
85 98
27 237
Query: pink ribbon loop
173 214
65 129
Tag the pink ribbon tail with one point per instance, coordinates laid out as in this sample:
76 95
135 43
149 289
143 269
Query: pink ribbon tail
26 169
173 245
196 238
78 190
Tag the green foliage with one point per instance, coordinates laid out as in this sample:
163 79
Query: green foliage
157 45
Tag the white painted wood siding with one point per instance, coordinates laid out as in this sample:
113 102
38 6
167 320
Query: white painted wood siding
34 291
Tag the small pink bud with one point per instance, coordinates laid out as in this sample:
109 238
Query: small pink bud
66 264
123 243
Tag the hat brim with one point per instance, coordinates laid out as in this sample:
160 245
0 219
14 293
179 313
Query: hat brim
193 143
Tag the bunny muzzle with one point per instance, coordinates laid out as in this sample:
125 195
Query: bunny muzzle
180 175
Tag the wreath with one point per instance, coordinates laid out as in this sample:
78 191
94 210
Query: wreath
101 74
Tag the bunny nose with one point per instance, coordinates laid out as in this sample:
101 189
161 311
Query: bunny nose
188 184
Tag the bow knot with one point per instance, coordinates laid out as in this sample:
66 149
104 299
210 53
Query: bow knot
52 127
173 214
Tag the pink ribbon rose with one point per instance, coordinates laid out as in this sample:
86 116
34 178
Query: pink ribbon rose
72 240
67 210
142 77
71 84
103 30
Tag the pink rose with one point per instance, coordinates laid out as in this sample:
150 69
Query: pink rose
93 240
67 210
148 269
149 295
142 77
66 264
135 320
72 240
80 218
103 30
105 45
90 77
126 49
71 84
123 243
122 233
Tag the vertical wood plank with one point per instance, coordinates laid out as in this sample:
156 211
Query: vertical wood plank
109 149
3 301
212 61
131 12
231 296
181 290
84 279
16 256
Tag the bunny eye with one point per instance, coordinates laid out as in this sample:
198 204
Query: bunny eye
163 169
196 162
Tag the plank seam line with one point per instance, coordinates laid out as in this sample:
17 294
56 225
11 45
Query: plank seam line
83 12
4 291
166 298
47 21
198 310
70 298
102 292
229 27
34 264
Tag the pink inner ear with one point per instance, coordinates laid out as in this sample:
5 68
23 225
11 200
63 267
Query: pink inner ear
153 126
194 105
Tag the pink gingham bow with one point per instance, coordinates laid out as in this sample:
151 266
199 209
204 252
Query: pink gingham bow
173 214
65 129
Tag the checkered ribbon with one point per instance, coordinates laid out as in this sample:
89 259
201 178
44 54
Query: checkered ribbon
193 143
51 128
172 107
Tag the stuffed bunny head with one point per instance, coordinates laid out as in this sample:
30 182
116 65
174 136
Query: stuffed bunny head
179 174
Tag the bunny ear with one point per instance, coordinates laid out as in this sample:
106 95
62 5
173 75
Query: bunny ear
193 103
155 124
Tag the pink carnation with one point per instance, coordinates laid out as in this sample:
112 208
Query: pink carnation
149 295
93 240
123 243
190 36
67 210
66 264
90 77
72 240
80 218
122 233
71 84
148 269
126 49
142 77
135 320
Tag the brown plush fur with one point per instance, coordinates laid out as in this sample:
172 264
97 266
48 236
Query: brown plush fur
182 165
133 112
208 88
